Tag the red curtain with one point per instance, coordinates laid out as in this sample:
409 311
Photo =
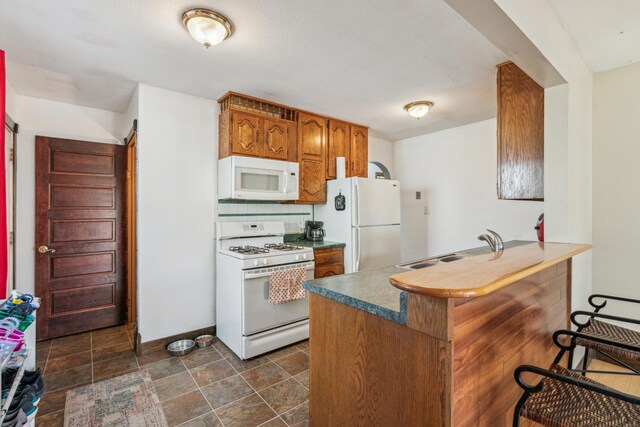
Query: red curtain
4 243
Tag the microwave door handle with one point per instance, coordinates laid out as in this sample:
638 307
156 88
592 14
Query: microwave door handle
285 178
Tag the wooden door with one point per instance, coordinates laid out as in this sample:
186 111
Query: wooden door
337 145
312 155
79 213
276 138
520 135
359 151
245 134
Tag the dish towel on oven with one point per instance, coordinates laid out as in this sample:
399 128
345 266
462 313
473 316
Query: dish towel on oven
286 285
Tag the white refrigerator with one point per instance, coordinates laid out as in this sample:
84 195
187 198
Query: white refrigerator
369 223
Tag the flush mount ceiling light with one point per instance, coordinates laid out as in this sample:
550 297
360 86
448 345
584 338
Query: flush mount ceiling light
418 109
207 27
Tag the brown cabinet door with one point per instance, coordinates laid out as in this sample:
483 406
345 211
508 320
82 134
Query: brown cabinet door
337 145
312 137
359 151
520 135
328 270
79 259
329 256
312 182
276 138
245 134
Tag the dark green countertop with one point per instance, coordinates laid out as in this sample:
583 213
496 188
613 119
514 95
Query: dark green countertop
371 291
298 239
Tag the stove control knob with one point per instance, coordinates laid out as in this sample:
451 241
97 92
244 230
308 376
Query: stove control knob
264 261
255 263
297 257
304 256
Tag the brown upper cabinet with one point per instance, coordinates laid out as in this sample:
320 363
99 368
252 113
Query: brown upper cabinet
276 138
352 143
520 135
255 127
359 151
248 134
338 145
312 139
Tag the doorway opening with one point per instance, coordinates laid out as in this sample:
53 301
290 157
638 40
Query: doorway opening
10 155
378 171
131 226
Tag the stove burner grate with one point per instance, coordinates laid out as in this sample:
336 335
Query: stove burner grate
282 247
248 250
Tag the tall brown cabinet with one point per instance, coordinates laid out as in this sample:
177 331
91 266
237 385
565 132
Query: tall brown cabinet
520 135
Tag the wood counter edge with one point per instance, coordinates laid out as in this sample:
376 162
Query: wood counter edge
489 287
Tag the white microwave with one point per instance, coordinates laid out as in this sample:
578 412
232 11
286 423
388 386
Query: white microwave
252 178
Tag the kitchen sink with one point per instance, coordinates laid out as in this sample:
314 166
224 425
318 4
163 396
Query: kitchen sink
422 265
451 258
430 262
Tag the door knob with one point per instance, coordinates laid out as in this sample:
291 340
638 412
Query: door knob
44 250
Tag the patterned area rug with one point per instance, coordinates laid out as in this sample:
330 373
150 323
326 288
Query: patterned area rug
129 400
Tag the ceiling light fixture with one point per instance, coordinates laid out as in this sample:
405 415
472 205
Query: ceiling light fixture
418 109
207 27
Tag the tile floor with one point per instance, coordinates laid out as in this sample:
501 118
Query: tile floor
209 387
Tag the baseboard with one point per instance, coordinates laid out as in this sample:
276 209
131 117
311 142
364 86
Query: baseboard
147 347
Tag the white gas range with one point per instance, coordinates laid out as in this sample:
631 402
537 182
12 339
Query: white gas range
247 254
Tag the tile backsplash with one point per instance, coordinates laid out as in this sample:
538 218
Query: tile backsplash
293 216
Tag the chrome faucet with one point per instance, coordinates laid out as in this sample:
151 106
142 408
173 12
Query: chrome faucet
494 240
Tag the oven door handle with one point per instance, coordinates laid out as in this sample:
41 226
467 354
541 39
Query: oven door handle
247 275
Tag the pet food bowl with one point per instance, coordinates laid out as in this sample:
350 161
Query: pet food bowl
181 347
204 340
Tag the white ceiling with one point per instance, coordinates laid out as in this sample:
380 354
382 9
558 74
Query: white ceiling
606 33
360 60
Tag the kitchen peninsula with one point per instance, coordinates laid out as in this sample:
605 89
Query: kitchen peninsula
437 345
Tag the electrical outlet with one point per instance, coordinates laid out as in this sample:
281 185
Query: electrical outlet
418 195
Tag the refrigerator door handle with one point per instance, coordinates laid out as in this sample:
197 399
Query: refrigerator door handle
357 247
356 206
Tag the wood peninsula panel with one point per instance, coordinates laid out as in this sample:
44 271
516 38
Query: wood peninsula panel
375 372
520 135
494 334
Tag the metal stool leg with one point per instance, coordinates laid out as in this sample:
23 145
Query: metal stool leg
584 362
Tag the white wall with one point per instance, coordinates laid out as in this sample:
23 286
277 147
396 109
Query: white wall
573 209
130 115
177 148
455 170
381 150
10 100
616 179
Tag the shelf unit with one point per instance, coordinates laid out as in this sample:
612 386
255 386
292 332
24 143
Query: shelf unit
7 402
